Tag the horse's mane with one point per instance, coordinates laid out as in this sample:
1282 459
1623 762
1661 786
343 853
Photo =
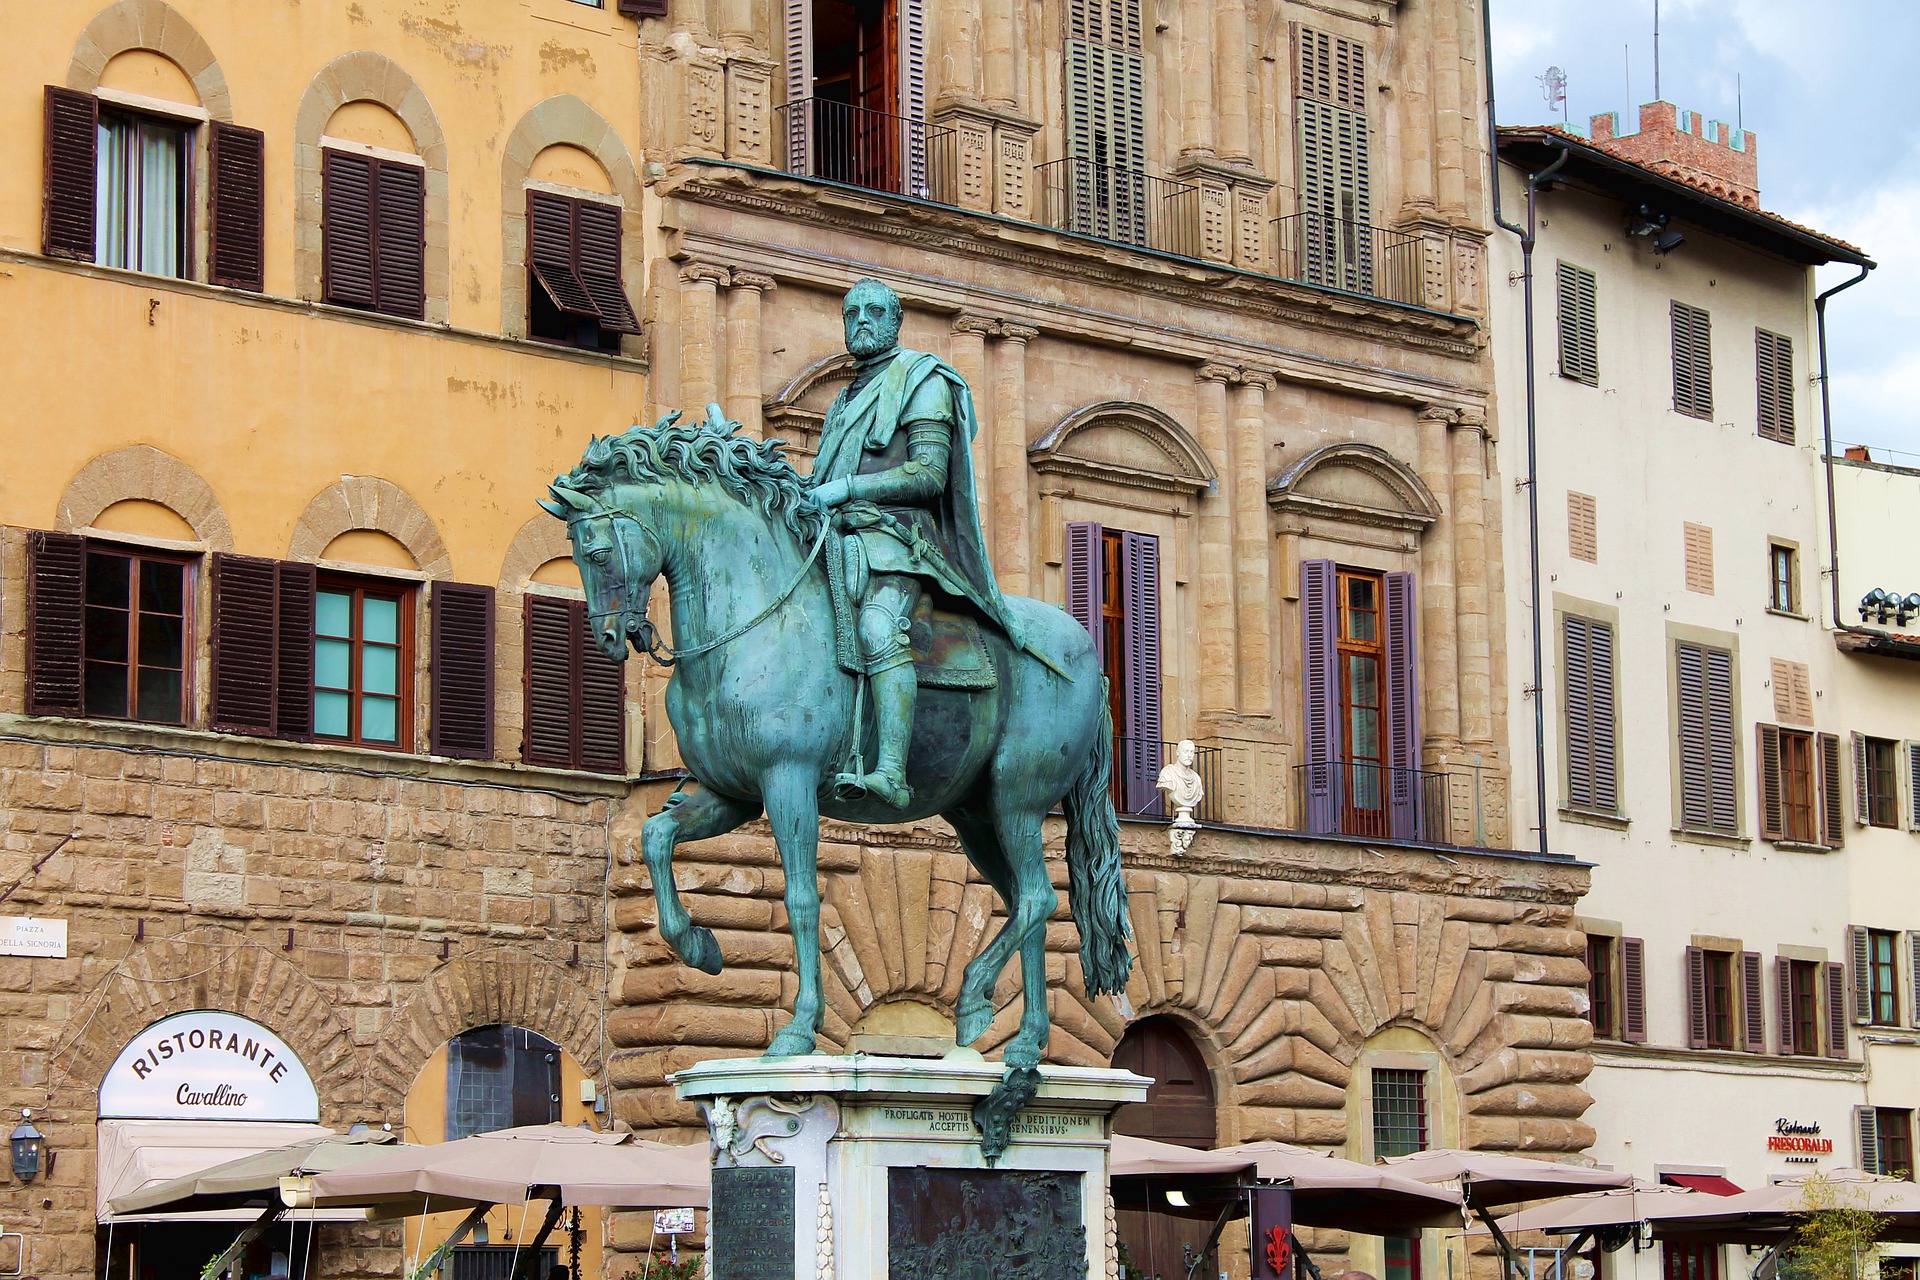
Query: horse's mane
756 472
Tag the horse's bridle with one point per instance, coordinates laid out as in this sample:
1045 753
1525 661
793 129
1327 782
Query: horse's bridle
634 621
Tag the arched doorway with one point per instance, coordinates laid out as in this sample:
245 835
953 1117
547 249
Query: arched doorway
1179 1108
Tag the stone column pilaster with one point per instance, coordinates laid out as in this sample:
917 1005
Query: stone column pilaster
1012 534
742 396
1449 110
1196 78
999 52
1414 94
699 312
1474 607
1231 51
736 25
1439 619
968 354
1217 640
1252 545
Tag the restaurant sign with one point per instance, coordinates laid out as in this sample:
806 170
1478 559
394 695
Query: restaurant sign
208 1065
1799 1141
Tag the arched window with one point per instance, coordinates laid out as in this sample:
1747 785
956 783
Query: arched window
1178 1109
501 1077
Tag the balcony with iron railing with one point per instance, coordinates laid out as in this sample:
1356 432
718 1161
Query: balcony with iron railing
1137 763
1339 253
1124 205
1373 801
840 142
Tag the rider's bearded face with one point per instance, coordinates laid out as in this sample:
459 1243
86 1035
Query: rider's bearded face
873 323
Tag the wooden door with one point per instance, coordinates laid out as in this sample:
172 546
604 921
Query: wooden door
1179 1109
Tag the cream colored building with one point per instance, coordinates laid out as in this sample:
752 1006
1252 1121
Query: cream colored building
1697 718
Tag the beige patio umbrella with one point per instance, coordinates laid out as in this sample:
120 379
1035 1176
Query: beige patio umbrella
1346 1195
1766 1214
1488 1179
253 1181
1611 1207
1132 1157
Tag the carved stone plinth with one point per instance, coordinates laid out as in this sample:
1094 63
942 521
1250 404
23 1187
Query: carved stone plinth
871 1168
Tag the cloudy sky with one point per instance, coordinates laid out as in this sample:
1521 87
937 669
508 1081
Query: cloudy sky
1832 88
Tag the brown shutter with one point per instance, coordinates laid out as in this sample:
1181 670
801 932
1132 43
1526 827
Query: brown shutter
237 159
1633 990
1832 789
1698 544
1862 802
597 259
1773 362
1692 361
244 646
400 239
603 702
552 255
1866 1129
1696 998
346 229
1836 1010
1913 970
551 696
461 665
293 679
1579 324
56 594
1724 798
1860 949
1766 768
644 8
1783 993
1753 1003
69 166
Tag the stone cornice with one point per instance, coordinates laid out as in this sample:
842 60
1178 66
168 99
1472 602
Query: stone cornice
1042 250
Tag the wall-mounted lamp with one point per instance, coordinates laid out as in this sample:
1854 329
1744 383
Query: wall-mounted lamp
1649 224
28 1144
1880 604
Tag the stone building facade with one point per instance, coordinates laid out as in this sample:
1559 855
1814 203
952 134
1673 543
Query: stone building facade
1215 274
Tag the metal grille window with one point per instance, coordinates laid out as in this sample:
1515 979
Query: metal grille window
1692 361
1399 1111
501 1077
1579 325
496 1261
1773 362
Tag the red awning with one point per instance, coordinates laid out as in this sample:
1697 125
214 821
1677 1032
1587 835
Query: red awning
1711 1183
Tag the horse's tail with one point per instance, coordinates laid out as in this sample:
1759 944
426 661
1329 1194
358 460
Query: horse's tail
1096 886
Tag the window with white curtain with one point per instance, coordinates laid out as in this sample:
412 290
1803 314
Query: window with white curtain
141 221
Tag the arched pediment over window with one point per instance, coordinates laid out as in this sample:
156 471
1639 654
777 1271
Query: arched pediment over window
1127 444
797 411
1355 484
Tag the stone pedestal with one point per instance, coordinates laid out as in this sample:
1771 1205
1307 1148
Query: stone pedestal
869 1168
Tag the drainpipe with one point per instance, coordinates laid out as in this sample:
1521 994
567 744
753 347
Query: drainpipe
1826 433
1527 239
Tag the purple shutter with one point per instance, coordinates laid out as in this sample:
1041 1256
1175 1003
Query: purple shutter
1754 1003
1320 680
293 677
1406 818
1783 990
1633 995
56 591
1696 998
1836 1009
1083 581
1140 669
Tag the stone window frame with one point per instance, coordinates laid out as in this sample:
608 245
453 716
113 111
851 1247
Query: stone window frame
1678 633
566 120
366 76
152 26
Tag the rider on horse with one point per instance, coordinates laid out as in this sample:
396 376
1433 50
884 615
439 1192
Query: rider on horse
896 469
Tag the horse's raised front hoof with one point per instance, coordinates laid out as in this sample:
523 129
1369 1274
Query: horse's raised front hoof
1022 1052
792 1041
974 1015
702 950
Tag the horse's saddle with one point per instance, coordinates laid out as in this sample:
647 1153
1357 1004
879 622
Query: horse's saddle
949 647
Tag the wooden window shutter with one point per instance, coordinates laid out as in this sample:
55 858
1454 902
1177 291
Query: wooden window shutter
1724 799
643 8
603 702
400 239
1836 1010
1583 533
1866 1130
71 174
1320 685
1832 790
461 666
237 162
1576 668
1692 361
1766 768
56 595
1084 581
1862 814
1773 359
1913 786
552 697
347 271
1860 951
797 36
1695 779
297 584
1783 999
1602 720
1913 972
1578 290
1792 692
1633 990
912 23
1697 541
1140 581
1753 1003
1401 634
1696 998
1329 68
597 259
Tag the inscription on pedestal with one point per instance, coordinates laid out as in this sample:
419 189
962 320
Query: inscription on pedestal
966 1224
752 1229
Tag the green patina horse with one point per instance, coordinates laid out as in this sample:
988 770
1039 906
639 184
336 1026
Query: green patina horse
764 714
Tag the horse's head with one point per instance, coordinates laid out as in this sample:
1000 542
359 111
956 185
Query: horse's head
618 561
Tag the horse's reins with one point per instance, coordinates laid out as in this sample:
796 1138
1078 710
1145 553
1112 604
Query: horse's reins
656 648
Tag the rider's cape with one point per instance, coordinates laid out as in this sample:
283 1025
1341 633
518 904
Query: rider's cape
866 421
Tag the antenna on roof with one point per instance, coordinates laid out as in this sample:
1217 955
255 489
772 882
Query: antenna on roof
1626 58
1656 51
1739 105
1553 87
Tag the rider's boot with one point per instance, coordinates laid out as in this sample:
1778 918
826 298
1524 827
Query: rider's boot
894 691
